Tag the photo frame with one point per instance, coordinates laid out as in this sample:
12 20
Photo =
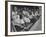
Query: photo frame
25 24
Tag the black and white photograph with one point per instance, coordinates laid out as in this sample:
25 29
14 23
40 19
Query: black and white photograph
25 18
